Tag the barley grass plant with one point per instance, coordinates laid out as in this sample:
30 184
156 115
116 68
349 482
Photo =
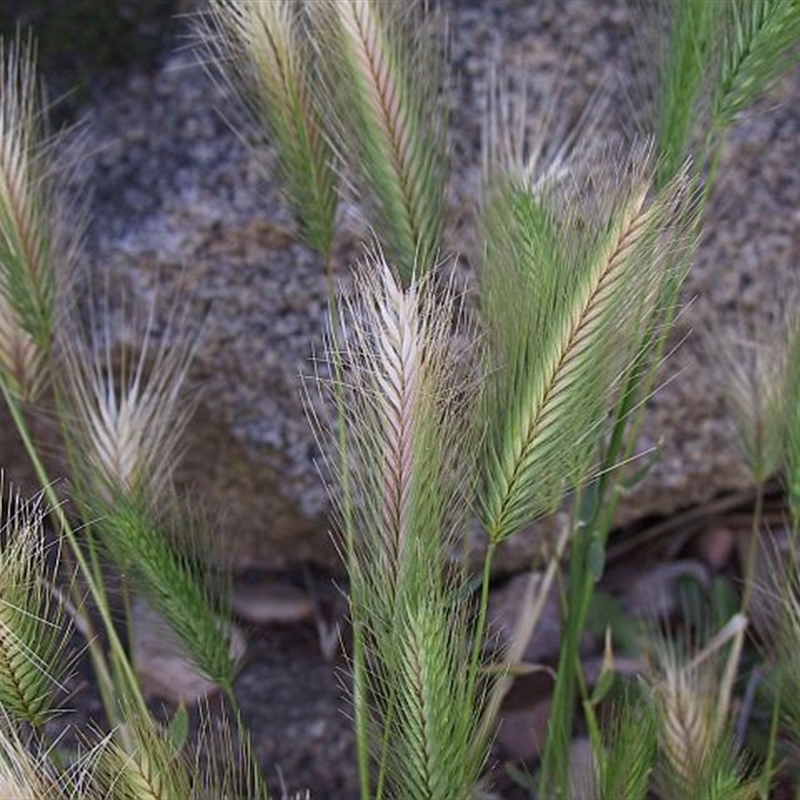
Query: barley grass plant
408 413
433 414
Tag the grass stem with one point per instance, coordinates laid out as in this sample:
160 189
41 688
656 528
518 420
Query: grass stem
360 682
554 771
751 559
523 631
245 741
479 632
774 726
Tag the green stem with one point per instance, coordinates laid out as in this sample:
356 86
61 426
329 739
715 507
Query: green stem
529 617
479 634
597 526
83 623
751 561
244 738
766 774
93 582
125 591
555 761
554 773
360 677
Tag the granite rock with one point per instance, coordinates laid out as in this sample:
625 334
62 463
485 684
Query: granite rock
182 209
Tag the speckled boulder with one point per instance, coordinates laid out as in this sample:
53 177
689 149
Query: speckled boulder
181 209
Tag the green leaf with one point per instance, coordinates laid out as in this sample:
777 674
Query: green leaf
178 730
603 686
596 557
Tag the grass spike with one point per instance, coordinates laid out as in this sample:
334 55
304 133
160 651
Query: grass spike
537 156
410 422
404 393
588 282
760 43
686 59
161 557
779 623
389 123
265 54
434 723
686 726
755 394
714 60
152 770
33 630
128 415
224 763
790 423
38 244
692 694
25 769
630 750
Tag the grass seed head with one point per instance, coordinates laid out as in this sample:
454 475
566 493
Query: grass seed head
40 229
